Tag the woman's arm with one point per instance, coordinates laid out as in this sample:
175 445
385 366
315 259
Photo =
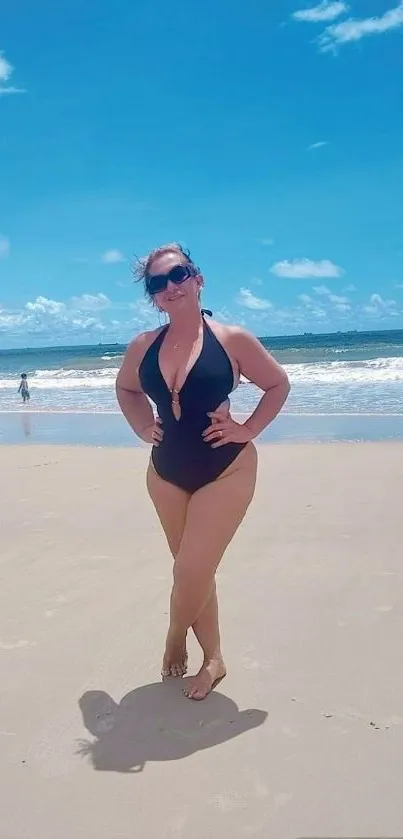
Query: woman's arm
132 401
257 365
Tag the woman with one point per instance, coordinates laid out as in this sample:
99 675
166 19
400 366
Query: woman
202 472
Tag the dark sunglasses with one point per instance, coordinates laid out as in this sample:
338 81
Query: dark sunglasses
177 275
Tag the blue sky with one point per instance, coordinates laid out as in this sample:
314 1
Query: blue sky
266 136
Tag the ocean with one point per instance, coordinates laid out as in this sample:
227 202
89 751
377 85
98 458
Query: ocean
352 374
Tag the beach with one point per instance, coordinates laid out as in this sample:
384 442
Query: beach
303 738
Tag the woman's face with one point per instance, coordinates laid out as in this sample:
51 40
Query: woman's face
175 298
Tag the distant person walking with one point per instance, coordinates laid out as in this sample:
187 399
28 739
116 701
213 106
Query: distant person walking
23 388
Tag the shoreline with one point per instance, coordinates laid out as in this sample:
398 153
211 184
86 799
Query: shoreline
95 412
144 449
110 430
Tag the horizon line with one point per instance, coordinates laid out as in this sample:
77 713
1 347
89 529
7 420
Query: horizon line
259 337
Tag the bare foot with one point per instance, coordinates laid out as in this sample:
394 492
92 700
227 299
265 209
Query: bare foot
207 678
175 661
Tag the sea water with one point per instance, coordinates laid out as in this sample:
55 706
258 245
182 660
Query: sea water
355 374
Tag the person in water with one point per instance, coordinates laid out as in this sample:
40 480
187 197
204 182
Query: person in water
203 466
23 388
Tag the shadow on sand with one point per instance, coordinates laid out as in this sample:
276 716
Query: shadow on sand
157 722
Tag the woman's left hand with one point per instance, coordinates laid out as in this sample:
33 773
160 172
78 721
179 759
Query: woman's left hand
225 430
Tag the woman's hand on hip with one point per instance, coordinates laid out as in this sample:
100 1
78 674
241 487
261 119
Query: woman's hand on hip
225 430
153 433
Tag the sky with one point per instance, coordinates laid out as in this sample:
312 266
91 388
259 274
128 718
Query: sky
265 136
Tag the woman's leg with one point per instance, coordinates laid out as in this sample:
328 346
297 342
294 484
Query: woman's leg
171 504
213 516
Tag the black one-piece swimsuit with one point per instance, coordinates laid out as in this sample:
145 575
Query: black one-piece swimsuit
183 458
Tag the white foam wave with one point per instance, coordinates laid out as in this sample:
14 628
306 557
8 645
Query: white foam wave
65 379
378 370
64 373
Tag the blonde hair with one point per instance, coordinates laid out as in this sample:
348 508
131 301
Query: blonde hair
141 267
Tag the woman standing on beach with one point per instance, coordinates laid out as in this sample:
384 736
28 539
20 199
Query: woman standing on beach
202 472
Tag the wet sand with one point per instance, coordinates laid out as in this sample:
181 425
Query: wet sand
107 429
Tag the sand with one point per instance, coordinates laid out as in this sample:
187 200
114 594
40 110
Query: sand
303 738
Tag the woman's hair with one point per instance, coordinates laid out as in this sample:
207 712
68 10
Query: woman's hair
141 267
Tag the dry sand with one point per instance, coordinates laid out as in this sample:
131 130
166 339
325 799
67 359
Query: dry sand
303 738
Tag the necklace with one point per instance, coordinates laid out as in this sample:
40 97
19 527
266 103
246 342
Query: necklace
177 344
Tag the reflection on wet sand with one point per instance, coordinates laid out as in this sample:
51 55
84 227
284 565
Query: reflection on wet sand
26 423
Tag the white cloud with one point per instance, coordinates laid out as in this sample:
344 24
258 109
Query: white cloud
340 304
377 300
321 290
82 319
10 320
267 243
44 320
45 306
143 315
325 11
311 308
9 90
111 257
86 323
91 302
224 315
301 269
380 307
248 300
318 313
349 288
6 69
354 29
318 145
4 247
335 298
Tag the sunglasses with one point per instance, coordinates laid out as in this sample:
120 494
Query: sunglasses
177 275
